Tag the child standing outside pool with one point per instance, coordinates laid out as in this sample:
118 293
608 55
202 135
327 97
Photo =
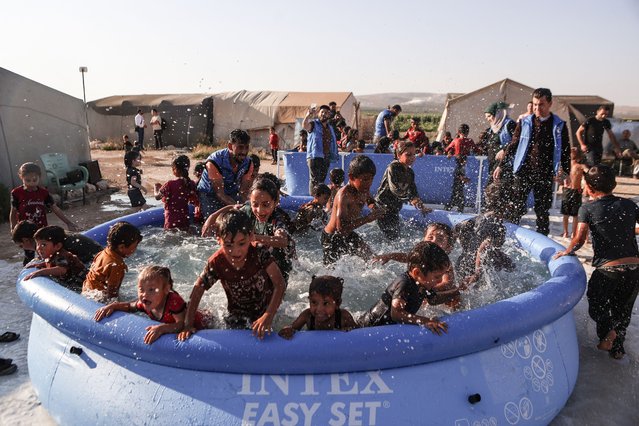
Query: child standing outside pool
461 147
177 194
158 300
253 283
324 313
132 161
105 276
613 286
402 299
274 143
572 192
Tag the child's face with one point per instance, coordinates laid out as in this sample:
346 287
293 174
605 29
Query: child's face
153 292
407 157
429 279
440 238
322 307
27 244
235 248
46 249
262 205
126 251
362 183
323 199
30 180
137 161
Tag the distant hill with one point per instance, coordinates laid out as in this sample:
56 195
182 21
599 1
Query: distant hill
410 102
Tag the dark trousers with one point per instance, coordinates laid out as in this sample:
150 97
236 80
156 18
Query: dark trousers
593 156
157 135
274 155
611 296
390 224
457 197
317 170
140 141
541 186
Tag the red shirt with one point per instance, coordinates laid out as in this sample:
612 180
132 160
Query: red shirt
176 195
174 305
32 205
274 141
461 146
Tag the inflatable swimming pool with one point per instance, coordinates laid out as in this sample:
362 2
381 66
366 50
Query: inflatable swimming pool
511 362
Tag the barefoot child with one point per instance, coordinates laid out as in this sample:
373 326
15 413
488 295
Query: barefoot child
324 313
572 192
158 300
613 286
313 210
177 194
404 297
105 276
253 283
339 236
132 161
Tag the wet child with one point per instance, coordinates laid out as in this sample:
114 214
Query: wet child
324 312
572 192
339 236
159 301
105 276
177 194
132 161
398 187
402 299
251 279
461 147
314 210
54 261
336 181
274 143
613 286
80 245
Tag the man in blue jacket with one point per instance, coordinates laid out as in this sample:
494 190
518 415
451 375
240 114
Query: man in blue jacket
321 148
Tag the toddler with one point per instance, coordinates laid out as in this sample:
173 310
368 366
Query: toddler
572 192
132 161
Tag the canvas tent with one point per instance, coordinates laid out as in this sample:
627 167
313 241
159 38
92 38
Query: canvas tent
189 118
34 120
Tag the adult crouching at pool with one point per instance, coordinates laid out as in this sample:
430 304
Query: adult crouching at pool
321 148
226 179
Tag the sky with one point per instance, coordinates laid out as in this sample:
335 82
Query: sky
573 47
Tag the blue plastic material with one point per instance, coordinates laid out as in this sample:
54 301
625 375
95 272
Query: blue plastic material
519 355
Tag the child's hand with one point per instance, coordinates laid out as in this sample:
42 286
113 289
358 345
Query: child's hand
152 334
562 253
103 312
436 326
287 332
262 325
32 275
382 259
185 334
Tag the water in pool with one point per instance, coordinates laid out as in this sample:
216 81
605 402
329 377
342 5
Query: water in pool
364 282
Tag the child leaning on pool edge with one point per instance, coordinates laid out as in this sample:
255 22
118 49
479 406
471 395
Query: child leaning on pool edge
401 300
324 313
251 279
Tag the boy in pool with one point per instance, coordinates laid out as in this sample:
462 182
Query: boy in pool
336 180
339 236
613 286
401 300
251 279
105 276
158 300
324 313
313 210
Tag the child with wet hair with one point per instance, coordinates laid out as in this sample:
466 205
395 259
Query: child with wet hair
335 182
177 194
314 210
159 301
324 311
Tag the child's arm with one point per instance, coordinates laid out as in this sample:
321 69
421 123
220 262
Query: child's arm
137 185
299 323
348 322
279 240
399 314
343 209
53 271
246 182
419 205
107 310
156 191
263 324
577 241
208 228
72 226
194 302
13 218
397 257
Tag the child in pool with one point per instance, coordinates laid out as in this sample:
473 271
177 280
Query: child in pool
313 210
177 194
54 261
269 223
398 187
339 236
324 313
132 161
401 300
197 172
105 276
612 288
159 301
251 279
336 181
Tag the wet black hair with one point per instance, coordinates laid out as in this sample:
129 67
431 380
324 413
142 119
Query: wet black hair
601 178
272 178
321 189
438 226
542 92
336 176
361 165
24 229
182 164
233 222
129 156
428 257
239 137
327 285
52 233
199 167
266 185
123 233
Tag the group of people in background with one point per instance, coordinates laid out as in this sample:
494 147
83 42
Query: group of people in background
158 125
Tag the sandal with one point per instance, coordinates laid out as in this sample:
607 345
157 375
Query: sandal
9 369
9 336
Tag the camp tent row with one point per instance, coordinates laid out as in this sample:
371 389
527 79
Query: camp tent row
204 118
469 108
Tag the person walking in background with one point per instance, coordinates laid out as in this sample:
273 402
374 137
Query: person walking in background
140 125
590 136
274 143
321 148
156 125
384 121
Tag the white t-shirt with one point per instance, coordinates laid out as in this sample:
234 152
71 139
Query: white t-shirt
139 120
156 122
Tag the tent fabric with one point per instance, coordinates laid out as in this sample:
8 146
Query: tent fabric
296 104
36 119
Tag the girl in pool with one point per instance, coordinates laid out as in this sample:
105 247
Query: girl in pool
158 300
324 313
270 224
177 194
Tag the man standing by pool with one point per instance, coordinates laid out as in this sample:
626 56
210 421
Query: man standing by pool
140 124
541 151
590 136
321 148
383 122
226 179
